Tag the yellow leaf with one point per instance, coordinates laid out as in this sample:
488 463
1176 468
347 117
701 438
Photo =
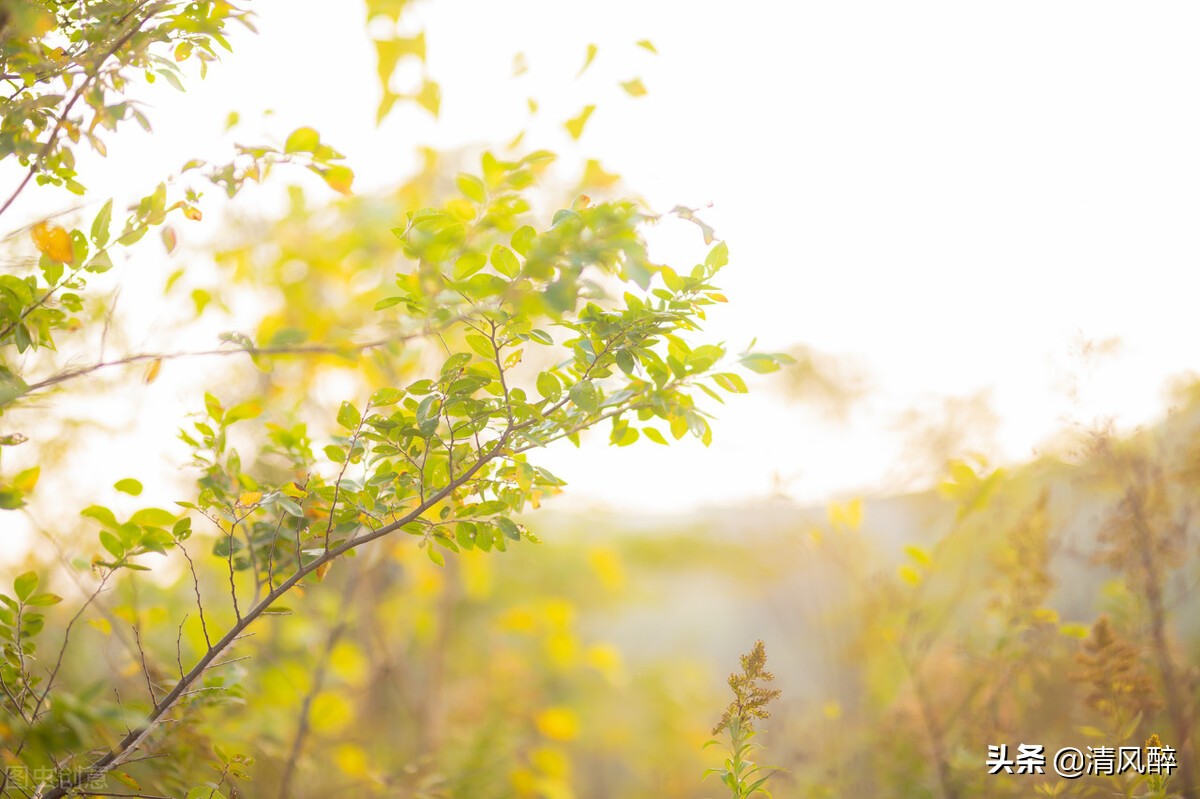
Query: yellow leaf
339 178
918 554
249 498
292 490
634 88
430 97
302 140
53 241
152 371
608 568
347 661
1074 630
557 723
322 570
26 480
596 175
562 649
331 712
125 778
518 620
1045 616
587 62
551 762
352 760
606 660
192 213
575 126
848 516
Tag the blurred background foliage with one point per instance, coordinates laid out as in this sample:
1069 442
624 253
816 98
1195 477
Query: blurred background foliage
1049 602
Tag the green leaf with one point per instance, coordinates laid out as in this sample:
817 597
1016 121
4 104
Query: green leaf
128 486
112 544
472 187
623 436
522 240
717 257
481 345
762 364
44 600
549 386
427 415
100 263
292 508
348 416
153 517
733 383
386 396
468 264
654 435
102 515
585 396
242 411
455 363
172 78
100 225
508 527
24 585
504 261
388 302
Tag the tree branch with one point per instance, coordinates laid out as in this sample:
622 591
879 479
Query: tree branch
134 739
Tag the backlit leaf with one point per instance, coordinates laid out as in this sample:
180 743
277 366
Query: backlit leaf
53 241
576 124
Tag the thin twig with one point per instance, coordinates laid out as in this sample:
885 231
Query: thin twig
299 350
137 636
196 588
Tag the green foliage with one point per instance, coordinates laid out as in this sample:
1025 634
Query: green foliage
73 64
469 333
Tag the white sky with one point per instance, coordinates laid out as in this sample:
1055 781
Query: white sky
955 194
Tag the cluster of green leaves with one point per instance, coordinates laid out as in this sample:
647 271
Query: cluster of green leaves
72 63
20 623
499 332
50 300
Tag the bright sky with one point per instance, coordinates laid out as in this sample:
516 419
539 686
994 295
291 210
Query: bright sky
953 194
